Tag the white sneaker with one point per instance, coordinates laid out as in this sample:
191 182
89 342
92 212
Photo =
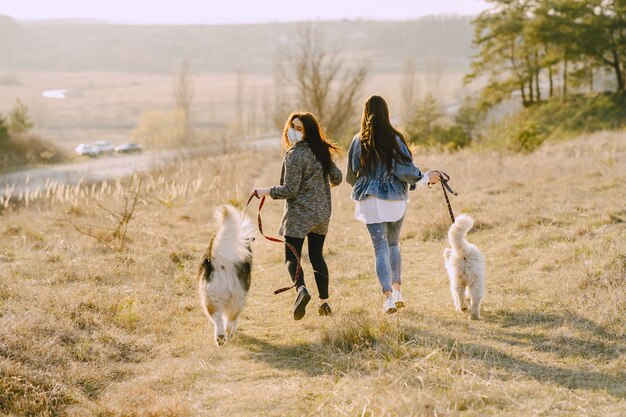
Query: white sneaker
396 296
389 307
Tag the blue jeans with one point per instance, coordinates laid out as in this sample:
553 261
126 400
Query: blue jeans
385 237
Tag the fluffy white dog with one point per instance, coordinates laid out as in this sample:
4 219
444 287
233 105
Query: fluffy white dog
466 267
224 275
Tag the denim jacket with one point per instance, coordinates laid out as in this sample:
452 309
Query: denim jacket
377 180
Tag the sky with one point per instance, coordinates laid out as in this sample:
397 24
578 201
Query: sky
233 11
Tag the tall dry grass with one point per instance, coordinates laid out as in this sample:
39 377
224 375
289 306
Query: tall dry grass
88 327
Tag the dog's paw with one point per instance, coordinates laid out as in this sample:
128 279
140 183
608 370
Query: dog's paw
475 312
220 339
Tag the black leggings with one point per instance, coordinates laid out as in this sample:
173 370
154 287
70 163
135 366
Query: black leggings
320 270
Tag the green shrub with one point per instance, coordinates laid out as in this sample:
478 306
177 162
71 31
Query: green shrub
452 138
429 127
527 138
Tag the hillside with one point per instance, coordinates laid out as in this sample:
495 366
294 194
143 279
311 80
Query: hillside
84 46
88 329
558 119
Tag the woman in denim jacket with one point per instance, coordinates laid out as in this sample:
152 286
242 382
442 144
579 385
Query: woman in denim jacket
307 174
380 169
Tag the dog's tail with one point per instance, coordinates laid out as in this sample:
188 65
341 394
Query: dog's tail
456 234
235 232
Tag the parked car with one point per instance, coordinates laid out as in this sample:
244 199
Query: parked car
87 150
128 148
104 146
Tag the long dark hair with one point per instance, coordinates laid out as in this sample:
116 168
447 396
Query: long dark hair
314 136
378 136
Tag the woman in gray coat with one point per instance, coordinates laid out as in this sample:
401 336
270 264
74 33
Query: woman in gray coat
308 172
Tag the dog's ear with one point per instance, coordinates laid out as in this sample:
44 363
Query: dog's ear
224 211
209 252
221 213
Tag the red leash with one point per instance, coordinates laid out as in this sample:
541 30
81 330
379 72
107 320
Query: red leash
443 179
273 239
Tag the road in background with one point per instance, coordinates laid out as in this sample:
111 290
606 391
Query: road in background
105 168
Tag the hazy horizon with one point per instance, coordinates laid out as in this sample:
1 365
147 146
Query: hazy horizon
194 12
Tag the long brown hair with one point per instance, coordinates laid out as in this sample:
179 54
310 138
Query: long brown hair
378 136
314 136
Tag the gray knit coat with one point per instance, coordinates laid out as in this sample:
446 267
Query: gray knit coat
306 191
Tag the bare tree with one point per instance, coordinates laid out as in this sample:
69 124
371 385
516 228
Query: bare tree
409 88
252 122
320 82
183 93
280 107
239 128
434 73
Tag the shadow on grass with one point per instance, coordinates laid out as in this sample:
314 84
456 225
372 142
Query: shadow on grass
548 320
592 341
309 358
381 343
614 384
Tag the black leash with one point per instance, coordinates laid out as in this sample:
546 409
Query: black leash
443 179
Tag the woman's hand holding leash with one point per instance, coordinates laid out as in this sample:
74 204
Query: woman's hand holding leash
433 177
443 179
261 192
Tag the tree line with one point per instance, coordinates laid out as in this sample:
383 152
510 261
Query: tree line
543 48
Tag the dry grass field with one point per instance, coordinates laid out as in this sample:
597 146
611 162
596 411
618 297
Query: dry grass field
109 105
89 326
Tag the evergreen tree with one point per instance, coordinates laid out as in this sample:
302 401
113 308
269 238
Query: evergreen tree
4 130
19 119
523 42
603 26
499 33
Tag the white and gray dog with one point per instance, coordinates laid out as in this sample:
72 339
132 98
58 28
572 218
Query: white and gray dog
224 275
466 267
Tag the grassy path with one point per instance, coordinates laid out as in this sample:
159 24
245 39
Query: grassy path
89 330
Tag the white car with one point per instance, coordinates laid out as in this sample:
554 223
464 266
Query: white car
104 146
87 150
128 148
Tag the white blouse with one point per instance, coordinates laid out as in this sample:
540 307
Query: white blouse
375 210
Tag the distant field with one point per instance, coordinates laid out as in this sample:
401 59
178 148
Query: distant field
114 73
107 106
89 328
